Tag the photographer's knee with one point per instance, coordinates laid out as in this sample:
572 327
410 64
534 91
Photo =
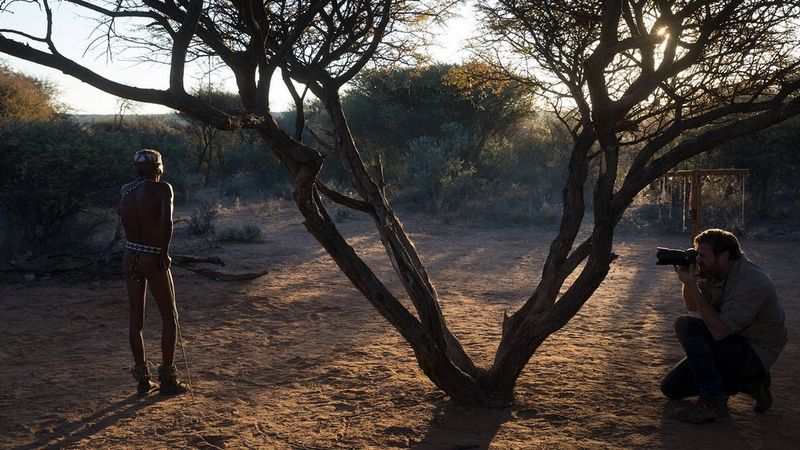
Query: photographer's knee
668 388
686 324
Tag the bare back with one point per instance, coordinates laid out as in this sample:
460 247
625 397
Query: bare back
146 213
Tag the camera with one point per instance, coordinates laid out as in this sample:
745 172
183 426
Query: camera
675 257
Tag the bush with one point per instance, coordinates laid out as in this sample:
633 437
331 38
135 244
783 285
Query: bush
26 98
518 179
253 171
202 220
158 133
438 176
51 171
343 214
503 203
244 234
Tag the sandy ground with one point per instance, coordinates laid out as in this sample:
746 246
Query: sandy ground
298 359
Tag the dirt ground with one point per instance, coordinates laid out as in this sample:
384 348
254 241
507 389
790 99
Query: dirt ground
299 360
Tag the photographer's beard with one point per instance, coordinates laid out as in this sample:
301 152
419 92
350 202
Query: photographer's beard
705 271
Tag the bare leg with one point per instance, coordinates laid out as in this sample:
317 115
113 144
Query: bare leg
161 287
162 290
165 299
136 297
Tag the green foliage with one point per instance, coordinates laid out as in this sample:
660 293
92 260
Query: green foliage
51 171
519 183
435 174
253 172
388 108
163 135
771 157
245 234
457 141
535 155
209 144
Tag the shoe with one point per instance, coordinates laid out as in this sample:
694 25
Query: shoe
141 373
702 412
168 377
762 394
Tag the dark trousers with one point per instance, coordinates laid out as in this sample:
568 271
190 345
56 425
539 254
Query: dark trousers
711 369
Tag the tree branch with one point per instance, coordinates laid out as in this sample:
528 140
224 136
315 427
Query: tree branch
180 45
345 200
699 144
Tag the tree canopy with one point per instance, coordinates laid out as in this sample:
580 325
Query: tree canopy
388 107
25 98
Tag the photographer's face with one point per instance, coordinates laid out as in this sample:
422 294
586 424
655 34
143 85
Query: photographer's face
708 264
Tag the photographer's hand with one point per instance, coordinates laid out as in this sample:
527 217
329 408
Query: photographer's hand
686 274
697 301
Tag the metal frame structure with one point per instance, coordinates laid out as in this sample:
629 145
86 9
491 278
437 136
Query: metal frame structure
694 178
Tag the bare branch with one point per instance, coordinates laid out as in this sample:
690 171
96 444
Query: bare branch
181 43
345 200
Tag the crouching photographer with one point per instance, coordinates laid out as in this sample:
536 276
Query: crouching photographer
732 334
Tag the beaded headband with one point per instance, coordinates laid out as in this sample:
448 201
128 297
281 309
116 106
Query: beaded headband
144 156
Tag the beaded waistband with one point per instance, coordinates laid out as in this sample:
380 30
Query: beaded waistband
142 248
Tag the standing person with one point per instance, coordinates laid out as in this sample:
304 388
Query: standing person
145 207
733 334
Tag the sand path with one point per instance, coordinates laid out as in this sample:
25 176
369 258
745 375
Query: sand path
298 359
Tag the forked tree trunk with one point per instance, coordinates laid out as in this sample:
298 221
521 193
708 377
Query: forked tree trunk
438 352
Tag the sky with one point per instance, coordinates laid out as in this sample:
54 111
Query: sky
73 38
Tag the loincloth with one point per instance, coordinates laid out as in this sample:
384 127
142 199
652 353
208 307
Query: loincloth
137 249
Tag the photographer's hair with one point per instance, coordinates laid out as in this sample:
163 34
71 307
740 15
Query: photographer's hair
720 241
147 163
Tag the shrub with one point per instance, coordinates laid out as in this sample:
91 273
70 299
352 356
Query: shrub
26 98
507 204
157 133
253 171
202 220
343 214
244 234
51 171
436 172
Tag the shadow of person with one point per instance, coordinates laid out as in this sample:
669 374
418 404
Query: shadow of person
73 432
454 426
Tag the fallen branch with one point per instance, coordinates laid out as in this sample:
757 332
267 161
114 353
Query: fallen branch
55 270
219 276
180 260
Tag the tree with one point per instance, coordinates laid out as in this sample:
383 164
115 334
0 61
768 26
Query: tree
770 157
26 98
124 106
388 107
612 59
209 142
651 83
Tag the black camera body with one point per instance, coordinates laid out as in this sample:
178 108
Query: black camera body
675 257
